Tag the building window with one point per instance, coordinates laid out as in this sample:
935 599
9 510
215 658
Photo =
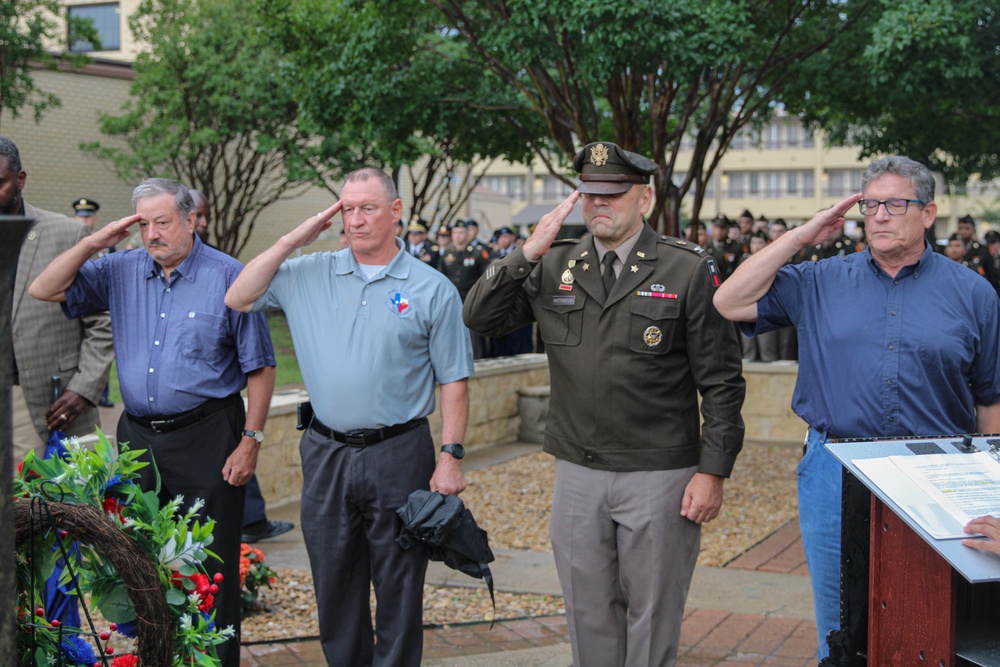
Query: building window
842 182
106 20
553 188
512 186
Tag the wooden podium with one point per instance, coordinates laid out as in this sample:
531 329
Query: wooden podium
930 602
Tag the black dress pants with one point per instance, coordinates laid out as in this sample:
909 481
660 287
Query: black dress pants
190 462
349 500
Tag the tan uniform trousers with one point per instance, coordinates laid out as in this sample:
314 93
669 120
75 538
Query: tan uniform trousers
625 557
25 436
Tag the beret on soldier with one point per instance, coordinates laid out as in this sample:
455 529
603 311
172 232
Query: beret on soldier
459 224
606 169
968 219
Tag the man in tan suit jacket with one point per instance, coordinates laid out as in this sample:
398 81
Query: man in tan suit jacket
45 342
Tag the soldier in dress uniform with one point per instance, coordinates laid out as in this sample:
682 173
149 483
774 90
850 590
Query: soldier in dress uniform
462 263
977 255
472 235
418 245
632 339
725 251
86 212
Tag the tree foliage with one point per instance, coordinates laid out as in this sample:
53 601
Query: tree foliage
396 90
920 78
208 108
26 27
656 77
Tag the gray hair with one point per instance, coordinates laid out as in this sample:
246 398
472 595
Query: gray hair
153 187
9 150
919 176
369 173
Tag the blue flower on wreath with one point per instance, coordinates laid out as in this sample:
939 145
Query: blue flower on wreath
127 628
208 618
78 651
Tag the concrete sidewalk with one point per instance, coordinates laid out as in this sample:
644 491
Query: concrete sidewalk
756 611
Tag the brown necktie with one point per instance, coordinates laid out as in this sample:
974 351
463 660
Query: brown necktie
609 272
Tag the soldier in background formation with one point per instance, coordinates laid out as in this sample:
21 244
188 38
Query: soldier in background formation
462 263
418 245
977 256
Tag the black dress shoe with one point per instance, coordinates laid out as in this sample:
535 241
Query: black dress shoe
105 403
263 530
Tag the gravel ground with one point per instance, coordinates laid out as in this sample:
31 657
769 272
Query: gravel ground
511 502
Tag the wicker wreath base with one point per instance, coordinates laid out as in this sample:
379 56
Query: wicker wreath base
154 627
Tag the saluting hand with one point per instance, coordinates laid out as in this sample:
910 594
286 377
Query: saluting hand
824 224
548 228
113 233
307 233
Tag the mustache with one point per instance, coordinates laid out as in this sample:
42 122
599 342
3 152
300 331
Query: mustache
154 244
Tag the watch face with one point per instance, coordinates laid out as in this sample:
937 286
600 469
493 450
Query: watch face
456 450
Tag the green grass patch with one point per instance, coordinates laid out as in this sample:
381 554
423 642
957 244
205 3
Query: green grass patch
288 373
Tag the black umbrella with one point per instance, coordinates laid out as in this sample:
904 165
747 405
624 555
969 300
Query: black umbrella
448 531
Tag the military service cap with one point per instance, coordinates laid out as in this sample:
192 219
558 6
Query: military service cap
417 227
968 219
459 224
606 169
721 221
746 214
471 222
86 207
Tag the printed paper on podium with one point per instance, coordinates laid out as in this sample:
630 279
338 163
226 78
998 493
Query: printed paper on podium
940 492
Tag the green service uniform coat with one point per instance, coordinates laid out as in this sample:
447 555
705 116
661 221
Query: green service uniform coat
626 374
463 266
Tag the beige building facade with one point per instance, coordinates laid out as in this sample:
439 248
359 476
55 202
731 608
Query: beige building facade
782 172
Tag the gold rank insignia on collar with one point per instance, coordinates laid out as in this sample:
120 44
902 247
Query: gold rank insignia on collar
599 155
584 253
571 263
586 266
634 268
641 255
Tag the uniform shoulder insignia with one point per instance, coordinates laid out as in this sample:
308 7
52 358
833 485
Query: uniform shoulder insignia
435 247
565 241
681 244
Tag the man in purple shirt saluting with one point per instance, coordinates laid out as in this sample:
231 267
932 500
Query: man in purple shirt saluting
183 358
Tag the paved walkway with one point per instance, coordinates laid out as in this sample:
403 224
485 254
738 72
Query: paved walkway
755 611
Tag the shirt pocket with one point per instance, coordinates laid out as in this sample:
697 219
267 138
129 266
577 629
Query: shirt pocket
562 318
651 324
202 336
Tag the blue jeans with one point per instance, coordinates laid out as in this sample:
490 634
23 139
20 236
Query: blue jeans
819 476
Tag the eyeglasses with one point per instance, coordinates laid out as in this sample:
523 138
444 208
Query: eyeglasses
893 206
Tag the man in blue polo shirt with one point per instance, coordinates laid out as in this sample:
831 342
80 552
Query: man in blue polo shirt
183 358
894 341
374 329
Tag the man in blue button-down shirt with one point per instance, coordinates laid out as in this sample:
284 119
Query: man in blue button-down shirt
894 341
183 358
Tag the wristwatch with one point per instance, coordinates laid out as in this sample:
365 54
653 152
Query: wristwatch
455 449
256 435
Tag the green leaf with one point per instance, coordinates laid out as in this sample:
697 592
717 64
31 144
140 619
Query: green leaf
115 604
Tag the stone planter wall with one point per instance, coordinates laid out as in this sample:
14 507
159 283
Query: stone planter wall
496 390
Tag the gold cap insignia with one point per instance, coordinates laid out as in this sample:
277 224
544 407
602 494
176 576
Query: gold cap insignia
599 155
652 336
567 277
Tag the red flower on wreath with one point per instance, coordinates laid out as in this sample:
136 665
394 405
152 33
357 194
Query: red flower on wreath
125 660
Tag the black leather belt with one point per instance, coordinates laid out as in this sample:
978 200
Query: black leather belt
169 423
365 437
